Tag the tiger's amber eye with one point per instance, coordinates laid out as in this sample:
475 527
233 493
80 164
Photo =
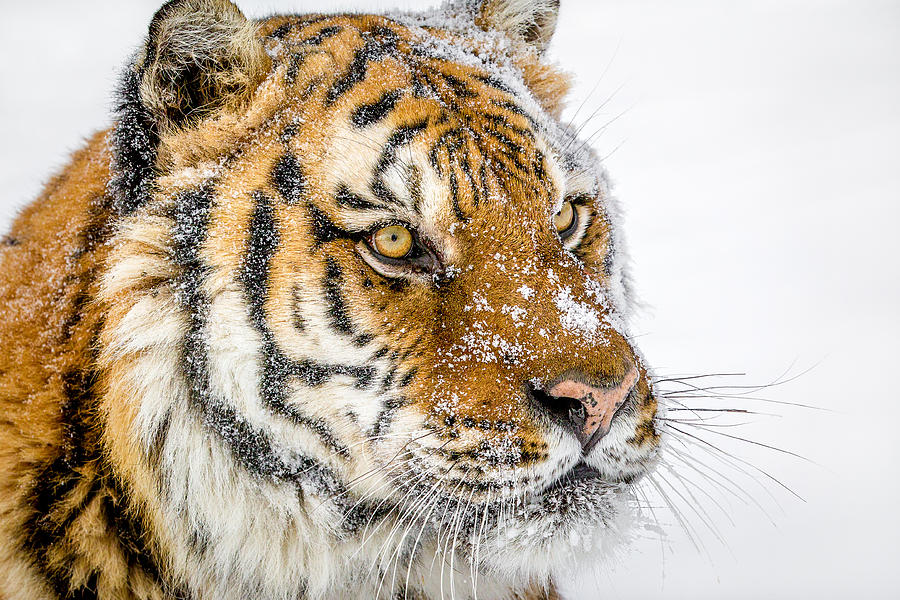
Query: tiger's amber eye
565 218
393 241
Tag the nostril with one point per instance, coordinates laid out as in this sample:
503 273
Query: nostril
568 413
584 409
577 412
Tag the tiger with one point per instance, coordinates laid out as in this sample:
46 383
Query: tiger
338 307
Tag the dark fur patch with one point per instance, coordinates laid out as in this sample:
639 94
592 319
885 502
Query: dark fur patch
383 44
322 35
334 297
345 197
369 114
288 179
80 465
277 369
399 138
323 228
135 139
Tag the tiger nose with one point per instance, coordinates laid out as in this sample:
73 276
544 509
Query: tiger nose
588 409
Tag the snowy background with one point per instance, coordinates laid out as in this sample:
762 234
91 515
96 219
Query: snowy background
756 148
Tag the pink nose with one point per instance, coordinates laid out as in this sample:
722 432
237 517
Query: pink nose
594 407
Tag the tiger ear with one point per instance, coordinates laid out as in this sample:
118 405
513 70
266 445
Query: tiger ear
200 56
531 20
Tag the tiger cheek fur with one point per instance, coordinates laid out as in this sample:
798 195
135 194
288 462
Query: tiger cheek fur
255 401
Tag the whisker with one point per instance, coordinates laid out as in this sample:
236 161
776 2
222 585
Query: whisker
695 505
694 396
677 514
692 377
751 465
599 80
747 441
738 491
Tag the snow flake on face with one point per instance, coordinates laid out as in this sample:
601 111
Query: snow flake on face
481 303
516 313
481 344
600 294
526 292
575 315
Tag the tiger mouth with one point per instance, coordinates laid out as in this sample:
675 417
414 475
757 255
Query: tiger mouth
583 473
580 472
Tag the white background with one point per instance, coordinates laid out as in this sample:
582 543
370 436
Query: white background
756 148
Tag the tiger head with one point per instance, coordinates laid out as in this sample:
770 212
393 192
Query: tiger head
366 305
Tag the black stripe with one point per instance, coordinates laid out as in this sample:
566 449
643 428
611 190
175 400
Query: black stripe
383 192
467 171
288 179
420 86
334 297
482 179
277 369
502 121
191 216
369 114
389 378
289 132
459 87
407 379
399 138
345 197
281 31
323 228
261 246
322 35
454 195
134 144
386 415
372 50
540 172
450 139
293 69
518 110
454 184
363 339
495 83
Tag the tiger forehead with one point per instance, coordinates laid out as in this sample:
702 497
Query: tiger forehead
376 85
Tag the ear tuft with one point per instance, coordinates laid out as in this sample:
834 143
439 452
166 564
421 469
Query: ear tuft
532 20
200 56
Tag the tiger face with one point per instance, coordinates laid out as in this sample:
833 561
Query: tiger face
366 305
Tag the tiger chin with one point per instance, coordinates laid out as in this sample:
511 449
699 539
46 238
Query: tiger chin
337 308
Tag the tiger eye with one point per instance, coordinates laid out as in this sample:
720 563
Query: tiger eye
393 241
565 218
